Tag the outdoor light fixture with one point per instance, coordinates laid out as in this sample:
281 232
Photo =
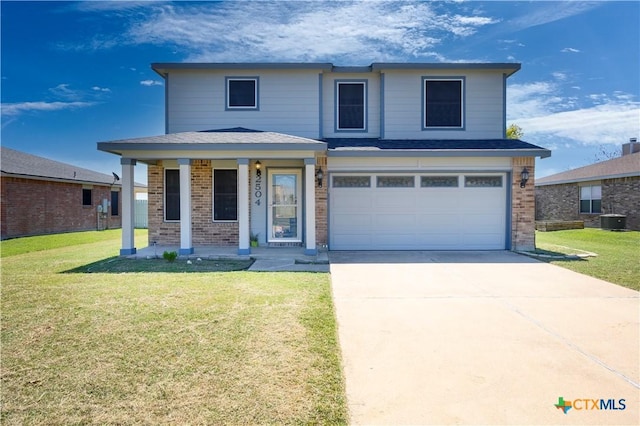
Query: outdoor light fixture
524 177
319 176
258 166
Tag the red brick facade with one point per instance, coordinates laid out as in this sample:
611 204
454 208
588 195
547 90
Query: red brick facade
523 225
37 207
562 201
204 230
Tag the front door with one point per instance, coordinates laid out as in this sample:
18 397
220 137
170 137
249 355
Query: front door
284 212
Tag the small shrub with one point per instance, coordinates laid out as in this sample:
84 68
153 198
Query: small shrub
170 256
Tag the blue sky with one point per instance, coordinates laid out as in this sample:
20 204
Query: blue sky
76 73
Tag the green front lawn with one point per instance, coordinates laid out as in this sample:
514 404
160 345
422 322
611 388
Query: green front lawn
158 347
618 259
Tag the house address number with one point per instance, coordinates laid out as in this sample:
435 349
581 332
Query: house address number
257 194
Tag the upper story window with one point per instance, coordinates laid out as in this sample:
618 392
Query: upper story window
591 199
351 105
172 194
443 103
242 93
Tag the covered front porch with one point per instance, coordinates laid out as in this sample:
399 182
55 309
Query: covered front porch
267 259
222 189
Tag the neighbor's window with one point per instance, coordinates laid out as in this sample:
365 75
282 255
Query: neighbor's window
225 194
351 108
86 196
115 198
242 93
591 199
172 194
443 103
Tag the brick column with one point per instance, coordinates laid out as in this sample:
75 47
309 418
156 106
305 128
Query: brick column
523 225
128 218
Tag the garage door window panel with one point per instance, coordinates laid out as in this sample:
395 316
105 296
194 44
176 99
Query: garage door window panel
395 181
483 181
351 181
439 181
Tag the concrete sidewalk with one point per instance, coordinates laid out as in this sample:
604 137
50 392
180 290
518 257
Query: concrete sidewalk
482 338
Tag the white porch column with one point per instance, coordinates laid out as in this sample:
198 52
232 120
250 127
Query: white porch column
243 206
128 215
186 246
310 206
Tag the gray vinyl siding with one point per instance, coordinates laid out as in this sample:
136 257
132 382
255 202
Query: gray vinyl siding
483 105
329 105
288 102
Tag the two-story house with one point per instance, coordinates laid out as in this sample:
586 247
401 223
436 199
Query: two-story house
391 156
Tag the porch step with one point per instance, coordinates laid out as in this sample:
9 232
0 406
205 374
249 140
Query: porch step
285 244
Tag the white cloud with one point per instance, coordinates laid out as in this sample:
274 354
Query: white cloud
63 91
543 114
100 89
151 83
541 13
13 109
304 31
570 50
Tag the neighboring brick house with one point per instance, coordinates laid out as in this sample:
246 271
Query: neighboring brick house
42 196
585 193
391 156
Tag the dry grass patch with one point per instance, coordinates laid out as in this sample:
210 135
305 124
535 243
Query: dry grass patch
158 348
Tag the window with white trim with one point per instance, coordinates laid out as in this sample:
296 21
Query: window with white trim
171 194
242 93
225 194
443 103
351 101
591 199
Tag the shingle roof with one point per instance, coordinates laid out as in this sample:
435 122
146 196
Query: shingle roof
22 164
446 146
227 139
625 166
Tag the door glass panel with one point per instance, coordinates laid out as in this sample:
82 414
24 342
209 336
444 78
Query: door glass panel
284 206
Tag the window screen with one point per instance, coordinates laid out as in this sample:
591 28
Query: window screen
86 197
351 106
225 195
443 103
115 198
242 93
172 195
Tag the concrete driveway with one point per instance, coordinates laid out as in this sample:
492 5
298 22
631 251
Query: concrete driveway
483 338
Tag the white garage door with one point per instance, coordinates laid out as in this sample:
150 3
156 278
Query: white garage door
417 212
